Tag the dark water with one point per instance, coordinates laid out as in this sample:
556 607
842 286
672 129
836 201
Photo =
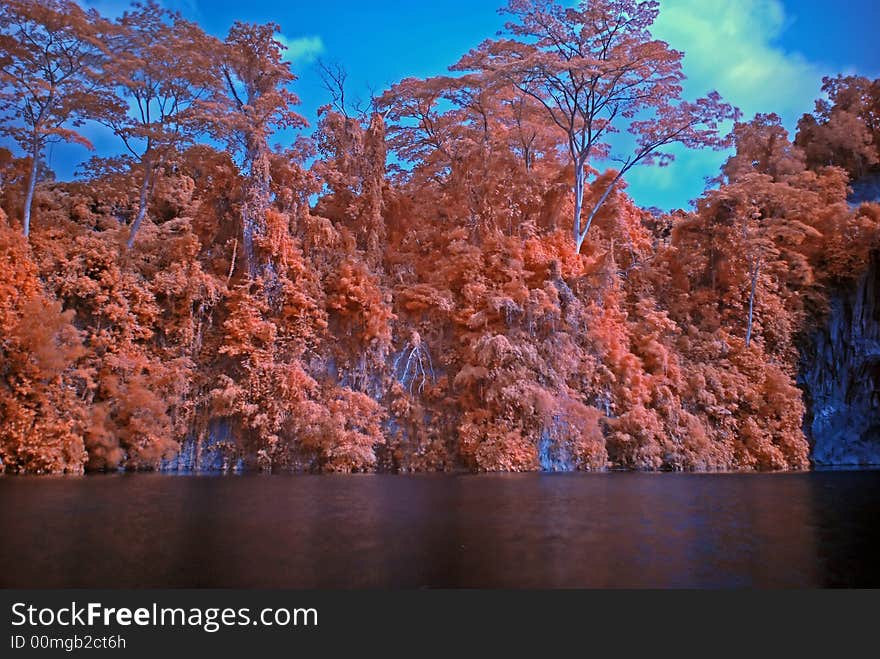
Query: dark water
604 530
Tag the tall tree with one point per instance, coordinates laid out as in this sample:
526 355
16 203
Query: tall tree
765 226
597 71
50 55
762 146
161 65
487 145
844 129
253 102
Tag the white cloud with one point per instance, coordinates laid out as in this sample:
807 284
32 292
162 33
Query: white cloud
302 50
732 47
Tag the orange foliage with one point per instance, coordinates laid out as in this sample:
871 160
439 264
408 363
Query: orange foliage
42 416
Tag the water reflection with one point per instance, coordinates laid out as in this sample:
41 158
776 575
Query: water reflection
565 530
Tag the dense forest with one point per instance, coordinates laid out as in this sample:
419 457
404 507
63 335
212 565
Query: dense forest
449 276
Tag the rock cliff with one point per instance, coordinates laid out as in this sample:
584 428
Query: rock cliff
841 376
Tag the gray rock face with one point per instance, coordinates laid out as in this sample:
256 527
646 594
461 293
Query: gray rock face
840 376
216 453
553 454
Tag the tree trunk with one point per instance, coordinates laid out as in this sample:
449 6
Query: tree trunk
247 239
579 185
142 204
752 304
579 182
595 211
256 202
29 198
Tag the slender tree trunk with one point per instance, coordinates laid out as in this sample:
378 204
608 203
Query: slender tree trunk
579 182
596 210
142 204
755 273
29 198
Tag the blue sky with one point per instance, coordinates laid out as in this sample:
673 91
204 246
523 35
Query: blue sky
761 55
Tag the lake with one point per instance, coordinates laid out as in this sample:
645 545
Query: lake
496 531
